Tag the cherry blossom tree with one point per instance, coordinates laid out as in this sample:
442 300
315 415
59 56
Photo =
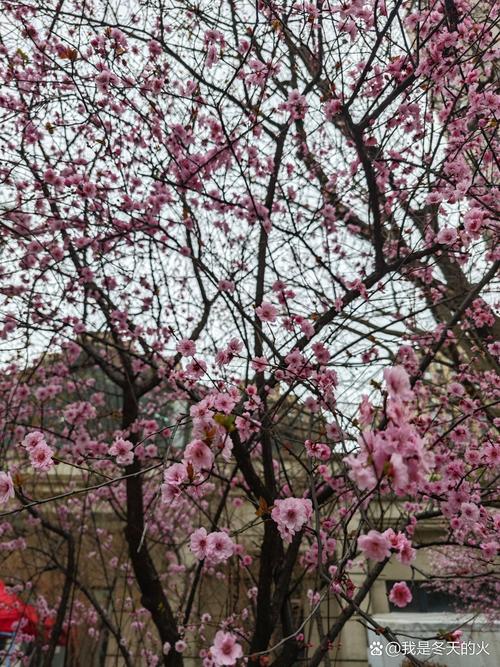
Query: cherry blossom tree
248 320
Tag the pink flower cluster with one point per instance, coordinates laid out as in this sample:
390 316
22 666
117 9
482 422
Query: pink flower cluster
332 108
79 412
226 355
291 515
123 451
186 347
318 450
205 426
199 456
397 453
39 452
398 383
173 479
296 104
379 546
214 547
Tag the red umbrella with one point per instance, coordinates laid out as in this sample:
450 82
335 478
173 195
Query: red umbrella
15 615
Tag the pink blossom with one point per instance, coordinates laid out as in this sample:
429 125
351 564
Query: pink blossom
104 79
332 108
155 48
6 487
235 346
79 412
296 104
225 649
398 472
307 328
318 450
199 543
266 312
321 353
447 236
216 547
223 357
224 403
400 594
186 347
122 450
494 348
196 369
366 411
199 455
33 439
456 389
170 493
397 454
227 449
334 432
363 475
259 364
226 286
489 549
399 542
407 358
375 545
406 553
175 475
41 457
87 189
398 383
469 512
291 515
492 454
220 547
